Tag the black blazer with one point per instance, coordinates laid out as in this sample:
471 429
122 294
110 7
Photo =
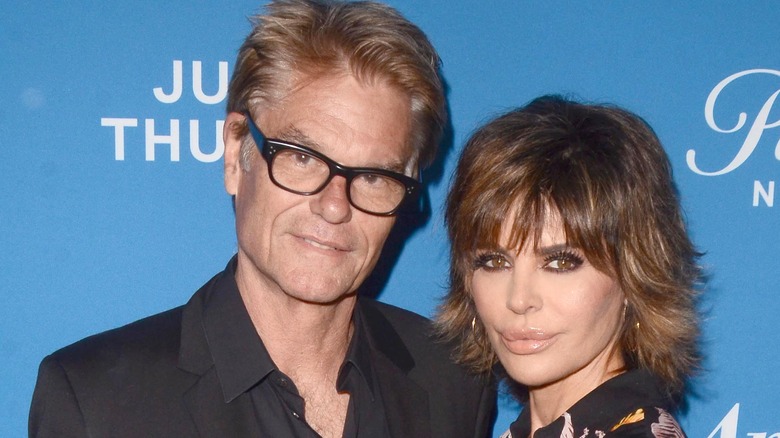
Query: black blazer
156 378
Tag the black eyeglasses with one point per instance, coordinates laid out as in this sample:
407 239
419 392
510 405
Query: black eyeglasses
304 171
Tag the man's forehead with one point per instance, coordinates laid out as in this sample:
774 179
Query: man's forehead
327 111
293 134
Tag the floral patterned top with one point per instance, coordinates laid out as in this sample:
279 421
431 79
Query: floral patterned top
629 405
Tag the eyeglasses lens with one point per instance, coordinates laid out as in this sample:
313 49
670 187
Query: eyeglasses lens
303 173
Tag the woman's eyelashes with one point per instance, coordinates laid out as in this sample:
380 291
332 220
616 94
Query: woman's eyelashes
562 261
491 261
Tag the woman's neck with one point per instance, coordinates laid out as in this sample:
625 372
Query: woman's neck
547 403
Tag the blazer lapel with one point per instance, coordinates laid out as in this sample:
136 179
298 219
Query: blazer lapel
212 415
405 402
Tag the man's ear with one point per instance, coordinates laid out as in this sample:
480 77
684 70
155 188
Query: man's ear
232 143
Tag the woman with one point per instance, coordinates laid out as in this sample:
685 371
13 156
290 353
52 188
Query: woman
571 266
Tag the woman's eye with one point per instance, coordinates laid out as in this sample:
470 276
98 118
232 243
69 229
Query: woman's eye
564 261
492 262
561 265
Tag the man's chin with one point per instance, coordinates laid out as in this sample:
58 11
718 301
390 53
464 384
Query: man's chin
320 294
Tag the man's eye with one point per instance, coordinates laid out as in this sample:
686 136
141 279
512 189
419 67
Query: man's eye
303 159
563 261
492 262
370 179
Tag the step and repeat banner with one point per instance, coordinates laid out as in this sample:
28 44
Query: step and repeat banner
112 205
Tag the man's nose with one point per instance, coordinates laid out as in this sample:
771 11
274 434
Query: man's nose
332 203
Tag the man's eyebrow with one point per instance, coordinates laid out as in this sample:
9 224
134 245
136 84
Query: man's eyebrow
397 166
292 134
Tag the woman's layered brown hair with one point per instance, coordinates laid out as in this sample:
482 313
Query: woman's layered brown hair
602 172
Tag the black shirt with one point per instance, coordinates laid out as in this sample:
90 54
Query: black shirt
631 404
191 372
243 365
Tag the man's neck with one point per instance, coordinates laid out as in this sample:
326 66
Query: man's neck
305 340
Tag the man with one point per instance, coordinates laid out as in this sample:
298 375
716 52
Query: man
332 110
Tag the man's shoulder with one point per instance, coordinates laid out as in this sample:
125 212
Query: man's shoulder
119 382
155 337
394 313
415 332
463 402
409 325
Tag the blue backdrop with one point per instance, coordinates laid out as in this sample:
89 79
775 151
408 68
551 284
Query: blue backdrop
112 205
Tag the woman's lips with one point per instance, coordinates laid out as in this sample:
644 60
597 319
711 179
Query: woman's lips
526 341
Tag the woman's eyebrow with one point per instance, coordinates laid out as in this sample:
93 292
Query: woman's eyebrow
551 249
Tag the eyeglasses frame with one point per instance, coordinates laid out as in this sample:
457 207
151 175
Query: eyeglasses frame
268 147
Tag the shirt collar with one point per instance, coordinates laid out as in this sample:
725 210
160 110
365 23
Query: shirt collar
358 354
240 357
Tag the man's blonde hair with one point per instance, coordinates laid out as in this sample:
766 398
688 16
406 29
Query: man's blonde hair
306 39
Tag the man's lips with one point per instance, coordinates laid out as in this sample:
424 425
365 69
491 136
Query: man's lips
323 244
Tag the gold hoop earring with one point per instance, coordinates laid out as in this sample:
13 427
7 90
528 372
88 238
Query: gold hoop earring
473 324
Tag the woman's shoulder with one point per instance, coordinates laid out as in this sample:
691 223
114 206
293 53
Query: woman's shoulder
643 422
648 421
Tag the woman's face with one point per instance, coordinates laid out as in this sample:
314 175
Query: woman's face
551 317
